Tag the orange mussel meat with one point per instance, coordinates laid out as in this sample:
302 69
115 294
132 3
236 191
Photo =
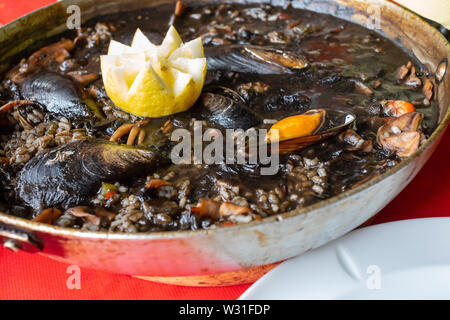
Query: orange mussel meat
300 131
302 125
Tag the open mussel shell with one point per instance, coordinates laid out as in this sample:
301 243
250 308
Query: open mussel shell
441 70
253 59
226 108
333 122
60 95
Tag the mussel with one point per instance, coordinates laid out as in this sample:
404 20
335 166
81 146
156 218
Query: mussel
60 95
68 175
5 176
441 70
23 107
228 110
300 131
253 59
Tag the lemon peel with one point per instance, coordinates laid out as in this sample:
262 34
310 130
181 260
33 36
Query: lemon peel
154 81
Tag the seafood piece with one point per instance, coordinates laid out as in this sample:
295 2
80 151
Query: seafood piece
403 71
83 78
396 108
66 176
298 132
377 83
428 89
407 75
6 174
305 124
59 94
253 59
289 100
228 110
133 130
53 53
13 104
24 109
180 7
361 88
372 124
401 135
48 216
167 127
441 70
207 207
156 183
49 58
217 210
403 144
251 89
91 215
412 80
355 142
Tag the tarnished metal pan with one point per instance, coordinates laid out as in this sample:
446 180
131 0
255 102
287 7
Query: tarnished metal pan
240 253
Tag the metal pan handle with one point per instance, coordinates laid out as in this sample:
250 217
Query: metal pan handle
16 239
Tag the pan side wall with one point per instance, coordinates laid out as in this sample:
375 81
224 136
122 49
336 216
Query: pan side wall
230 249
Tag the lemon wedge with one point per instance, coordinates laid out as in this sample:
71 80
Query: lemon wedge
154 81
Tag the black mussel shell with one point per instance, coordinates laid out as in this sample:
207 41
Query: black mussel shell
253 59
60 95
68 175
227 109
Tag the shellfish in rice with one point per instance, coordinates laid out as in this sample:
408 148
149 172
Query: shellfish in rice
47 58
401 135
227 109
66 176
254 59
298 132
60 95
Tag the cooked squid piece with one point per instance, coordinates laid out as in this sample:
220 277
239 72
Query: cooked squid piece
401 135
254 59
91 215
396 108
136 134
302 125
48 216
66 176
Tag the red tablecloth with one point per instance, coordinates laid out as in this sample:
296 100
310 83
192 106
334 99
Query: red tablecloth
28 276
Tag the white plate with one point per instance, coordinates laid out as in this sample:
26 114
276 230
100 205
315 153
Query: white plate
398 260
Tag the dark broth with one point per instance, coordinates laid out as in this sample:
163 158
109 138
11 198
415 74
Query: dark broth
341 56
